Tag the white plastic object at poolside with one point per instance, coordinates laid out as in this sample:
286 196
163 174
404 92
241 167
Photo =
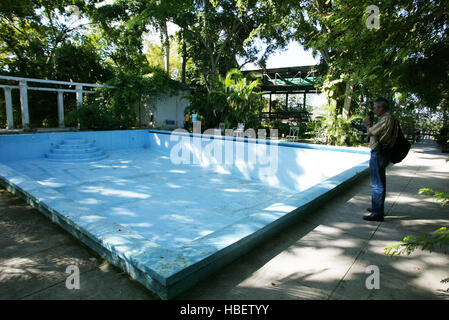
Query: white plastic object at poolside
240 129
293 134
222 127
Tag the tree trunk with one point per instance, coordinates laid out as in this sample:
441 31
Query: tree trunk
348 99
183 61
166 46
445 115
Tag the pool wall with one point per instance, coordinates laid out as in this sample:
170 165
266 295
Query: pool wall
165 272
36 145
293 167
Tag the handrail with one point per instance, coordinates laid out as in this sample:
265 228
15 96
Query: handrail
54 82
23 88
46 89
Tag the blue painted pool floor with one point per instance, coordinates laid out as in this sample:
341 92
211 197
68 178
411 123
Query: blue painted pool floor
142 190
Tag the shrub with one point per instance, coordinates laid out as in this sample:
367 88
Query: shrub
127 92
115 107
92 117
233 99
283 128
442 136
339 130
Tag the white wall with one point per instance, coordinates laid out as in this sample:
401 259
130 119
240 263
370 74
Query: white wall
165 108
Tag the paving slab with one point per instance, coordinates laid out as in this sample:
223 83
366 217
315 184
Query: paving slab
20 276
104 282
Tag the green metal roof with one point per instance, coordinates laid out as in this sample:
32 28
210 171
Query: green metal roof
290 79
308 81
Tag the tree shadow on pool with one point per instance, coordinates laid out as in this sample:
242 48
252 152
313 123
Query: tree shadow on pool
325 255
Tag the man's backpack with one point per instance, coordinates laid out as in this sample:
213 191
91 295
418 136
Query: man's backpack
401 147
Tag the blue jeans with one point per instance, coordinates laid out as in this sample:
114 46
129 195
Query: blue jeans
378 162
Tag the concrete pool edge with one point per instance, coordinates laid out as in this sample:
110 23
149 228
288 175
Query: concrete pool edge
101 236
178 271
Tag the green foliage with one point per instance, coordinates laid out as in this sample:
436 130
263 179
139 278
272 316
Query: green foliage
405 55
128 91
81 63
74 40
116 107
443 197
315 131
91 117
243 101
44 39
283 128
38 38
414 116
339 130
306 130
208 106
234 99
443 136
155 57
214 32
439 238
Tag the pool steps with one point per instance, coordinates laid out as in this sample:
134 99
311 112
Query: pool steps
75 150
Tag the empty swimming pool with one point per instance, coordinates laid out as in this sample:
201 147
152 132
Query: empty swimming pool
172 208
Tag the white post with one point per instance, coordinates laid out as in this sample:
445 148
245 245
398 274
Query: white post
9 114
79 99
61 109
24 104
79 95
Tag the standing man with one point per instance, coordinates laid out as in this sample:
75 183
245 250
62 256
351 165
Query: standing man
194 116
187 121
382 138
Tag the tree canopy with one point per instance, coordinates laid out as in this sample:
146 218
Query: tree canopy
404 54
394 48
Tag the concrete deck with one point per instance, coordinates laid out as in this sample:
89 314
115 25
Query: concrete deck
325 256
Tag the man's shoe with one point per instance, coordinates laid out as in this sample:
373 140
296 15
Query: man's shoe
369 209
373 217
